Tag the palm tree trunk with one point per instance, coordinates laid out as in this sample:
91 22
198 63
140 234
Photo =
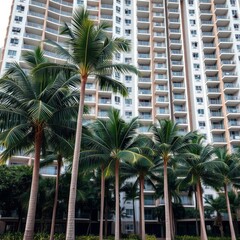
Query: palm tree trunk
117 212
59 161
196 203
102 204
142 223
172 221
70 232
166 200
29 228
106 219
134 218
233 235
201 212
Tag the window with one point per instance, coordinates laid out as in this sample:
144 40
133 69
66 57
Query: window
18 19
129 212
201 124
14 41
118 19
16 30
238 48
190 2
118 9
235 13
198 88
117 99
128 114
128 78
237 36
195 55
117 56
192 22
128 21
193 33
236 26
196 66
20 8
199 100
117 75
233 2
118 30
127 31
80 2
197 77
127 11
191 12
119 1
7 65
128 2
12 53
208 196
129 89
128 101
194 44
200 111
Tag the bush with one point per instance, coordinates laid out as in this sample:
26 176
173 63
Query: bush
198 238
151 237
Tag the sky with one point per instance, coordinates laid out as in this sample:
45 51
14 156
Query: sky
4 15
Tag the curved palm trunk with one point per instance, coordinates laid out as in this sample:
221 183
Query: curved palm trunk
142 223
166 200
201 212
29 228
70 232
102 204
233 235
117 212
55 198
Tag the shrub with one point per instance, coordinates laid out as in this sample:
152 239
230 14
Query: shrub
151 237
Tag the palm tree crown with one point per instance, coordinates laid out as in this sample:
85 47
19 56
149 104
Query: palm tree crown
34 109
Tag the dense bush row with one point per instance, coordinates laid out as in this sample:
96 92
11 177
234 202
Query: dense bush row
44 236
198 238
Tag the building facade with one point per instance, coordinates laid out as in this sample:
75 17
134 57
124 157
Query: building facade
188 53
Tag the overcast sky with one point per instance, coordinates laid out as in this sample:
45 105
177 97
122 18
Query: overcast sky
4 15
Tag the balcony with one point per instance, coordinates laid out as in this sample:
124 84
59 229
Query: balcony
104 101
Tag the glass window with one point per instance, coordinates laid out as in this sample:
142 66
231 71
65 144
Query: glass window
12 53
18 19
16 30
200 111
20 8
14 41
128 101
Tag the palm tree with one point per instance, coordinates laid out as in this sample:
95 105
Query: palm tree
231 177
114 139
217 205
144 171
32 107
91 54
61 152
168 144
174 196
131 193
201 167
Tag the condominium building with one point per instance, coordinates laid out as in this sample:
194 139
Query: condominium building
188 53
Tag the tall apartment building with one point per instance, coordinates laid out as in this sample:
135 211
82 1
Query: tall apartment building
188 53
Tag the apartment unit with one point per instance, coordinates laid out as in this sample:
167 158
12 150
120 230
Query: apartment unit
188 53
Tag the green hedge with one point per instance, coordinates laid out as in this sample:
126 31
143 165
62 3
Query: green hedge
198 238
45 236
